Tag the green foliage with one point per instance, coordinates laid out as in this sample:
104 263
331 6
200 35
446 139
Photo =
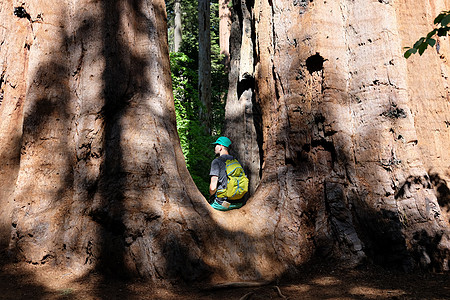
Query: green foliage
195 143
441 22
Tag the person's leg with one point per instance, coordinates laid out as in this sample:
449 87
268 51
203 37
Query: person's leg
235 205
217 206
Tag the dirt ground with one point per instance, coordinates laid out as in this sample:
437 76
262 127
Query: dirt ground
25 281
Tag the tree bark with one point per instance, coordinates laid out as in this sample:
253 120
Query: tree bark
177 36
349 164
224 30
204 62
12 98
100 161
344 133
242 115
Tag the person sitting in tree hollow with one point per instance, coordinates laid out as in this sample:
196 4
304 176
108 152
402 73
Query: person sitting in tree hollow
228 181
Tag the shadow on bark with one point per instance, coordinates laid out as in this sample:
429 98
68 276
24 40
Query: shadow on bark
44 125
48 122
113 179
442 191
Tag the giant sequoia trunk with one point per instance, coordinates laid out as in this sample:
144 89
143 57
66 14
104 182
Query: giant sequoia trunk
352 140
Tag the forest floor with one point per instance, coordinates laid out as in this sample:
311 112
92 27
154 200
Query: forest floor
25 281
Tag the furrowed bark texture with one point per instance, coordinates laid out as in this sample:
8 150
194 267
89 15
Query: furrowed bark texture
224 30
12 96
100 162
357 134
353 141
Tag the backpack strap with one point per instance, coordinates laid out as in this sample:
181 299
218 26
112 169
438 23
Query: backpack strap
224 159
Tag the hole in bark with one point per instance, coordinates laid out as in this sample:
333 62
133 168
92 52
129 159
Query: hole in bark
250 4
248 82
151 217
258 123
46 258
426 250
20 12
314 63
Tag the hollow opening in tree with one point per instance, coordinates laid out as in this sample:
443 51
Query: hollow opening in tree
314 63
196 135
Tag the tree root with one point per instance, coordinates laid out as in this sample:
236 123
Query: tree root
246 296
280 293
239 284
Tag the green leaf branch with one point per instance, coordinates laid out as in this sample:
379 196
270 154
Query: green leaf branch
441 22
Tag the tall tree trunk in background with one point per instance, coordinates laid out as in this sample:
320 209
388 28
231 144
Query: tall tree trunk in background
97 178
204 62
224 30
177 36
242 115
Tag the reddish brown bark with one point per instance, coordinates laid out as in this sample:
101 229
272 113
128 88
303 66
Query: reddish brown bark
225 29
338 115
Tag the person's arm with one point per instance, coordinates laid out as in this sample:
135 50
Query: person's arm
213 185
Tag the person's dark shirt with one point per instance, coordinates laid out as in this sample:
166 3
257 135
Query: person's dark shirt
219 169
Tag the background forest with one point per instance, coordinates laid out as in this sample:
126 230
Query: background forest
196 134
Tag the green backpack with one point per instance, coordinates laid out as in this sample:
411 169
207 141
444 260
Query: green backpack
237 183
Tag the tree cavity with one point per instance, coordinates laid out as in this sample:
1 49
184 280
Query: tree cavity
314 63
